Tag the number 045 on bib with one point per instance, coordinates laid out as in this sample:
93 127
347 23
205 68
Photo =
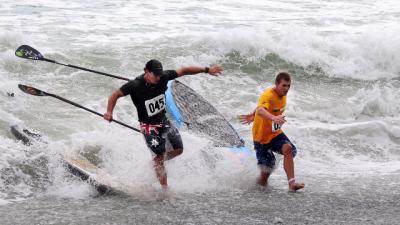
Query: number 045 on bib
155 105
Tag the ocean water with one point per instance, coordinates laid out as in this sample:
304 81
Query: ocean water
342 110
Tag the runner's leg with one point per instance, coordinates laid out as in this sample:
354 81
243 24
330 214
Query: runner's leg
262 179
282 145
288 160
156 143
288 165
159 168
175 140
265 161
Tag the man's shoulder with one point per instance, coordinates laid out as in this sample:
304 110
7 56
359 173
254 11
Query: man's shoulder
269 89
268 92
131 85
169 74
137 81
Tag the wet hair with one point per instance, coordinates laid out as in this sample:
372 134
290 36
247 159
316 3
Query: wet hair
282 76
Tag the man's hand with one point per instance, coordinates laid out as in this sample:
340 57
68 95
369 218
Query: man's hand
215 70
280 119
108 116
246 119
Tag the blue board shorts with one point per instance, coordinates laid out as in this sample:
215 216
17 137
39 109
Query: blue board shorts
264 152
157 136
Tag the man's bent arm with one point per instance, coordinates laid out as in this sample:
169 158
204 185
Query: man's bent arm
261 111
112 101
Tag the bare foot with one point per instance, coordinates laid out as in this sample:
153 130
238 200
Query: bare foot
262 181
295 186
164 188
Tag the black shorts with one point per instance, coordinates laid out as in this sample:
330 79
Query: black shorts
159 136
264 152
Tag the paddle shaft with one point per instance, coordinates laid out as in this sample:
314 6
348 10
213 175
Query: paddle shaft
92 111
85 69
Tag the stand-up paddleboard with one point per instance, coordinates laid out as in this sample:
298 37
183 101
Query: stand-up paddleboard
24 135
87 171
75 163
189 109
100 179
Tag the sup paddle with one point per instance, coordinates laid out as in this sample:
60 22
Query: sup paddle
27 52
37 92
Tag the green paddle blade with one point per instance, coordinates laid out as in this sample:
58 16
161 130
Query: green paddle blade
32 90
27 52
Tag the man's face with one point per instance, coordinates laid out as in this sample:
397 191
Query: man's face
282 88
151 78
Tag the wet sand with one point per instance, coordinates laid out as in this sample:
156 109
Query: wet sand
271 206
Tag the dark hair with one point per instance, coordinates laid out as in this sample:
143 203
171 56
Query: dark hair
282 76
154 66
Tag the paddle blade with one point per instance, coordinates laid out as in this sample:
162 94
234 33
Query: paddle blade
27 52
32 90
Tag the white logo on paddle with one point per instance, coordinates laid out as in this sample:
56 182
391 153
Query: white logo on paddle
155 105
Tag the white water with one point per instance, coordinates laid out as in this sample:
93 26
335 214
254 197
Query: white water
342 109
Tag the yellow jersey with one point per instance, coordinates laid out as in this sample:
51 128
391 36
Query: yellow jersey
265 130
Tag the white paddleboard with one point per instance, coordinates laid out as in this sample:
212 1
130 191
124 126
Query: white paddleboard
81 167
103 181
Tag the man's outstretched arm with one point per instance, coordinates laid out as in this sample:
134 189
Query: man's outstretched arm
248 118
261 111
190 70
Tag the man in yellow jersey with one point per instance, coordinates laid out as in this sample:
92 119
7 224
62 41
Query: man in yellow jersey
268 136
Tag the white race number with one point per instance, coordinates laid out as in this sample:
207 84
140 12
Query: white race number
275 127
155 105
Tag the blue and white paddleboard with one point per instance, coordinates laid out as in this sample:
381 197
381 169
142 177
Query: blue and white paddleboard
187 108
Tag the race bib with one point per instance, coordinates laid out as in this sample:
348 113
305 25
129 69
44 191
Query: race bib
155 105
275 127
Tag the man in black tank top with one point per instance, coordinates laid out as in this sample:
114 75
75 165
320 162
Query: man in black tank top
147 92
